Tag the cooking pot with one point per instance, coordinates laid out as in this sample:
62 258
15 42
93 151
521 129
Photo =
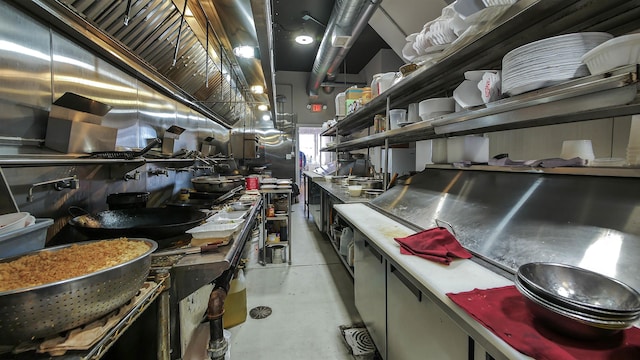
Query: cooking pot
214 184
127 200
368 183
152 223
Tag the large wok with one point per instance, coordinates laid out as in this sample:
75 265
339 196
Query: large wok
151 223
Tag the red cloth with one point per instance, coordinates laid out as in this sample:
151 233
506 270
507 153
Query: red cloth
504 311
435 244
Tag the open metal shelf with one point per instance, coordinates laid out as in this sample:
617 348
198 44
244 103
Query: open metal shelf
524 22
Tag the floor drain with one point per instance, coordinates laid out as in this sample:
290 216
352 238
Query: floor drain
260 312
360 342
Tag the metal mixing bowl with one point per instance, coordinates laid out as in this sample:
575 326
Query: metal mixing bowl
571 284
48 309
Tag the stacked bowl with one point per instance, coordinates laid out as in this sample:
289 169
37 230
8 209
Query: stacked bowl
577 302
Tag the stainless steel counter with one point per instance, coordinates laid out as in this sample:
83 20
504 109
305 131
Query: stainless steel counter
191 272
339 192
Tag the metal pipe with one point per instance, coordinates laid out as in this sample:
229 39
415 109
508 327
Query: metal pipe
348 18
164 332
175 54
70 182
215 310
127 14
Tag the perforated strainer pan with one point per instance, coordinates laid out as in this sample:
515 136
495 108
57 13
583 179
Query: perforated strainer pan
48 309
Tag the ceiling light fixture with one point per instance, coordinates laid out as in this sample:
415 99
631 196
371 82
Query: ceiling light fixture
263 107
304 39
257 89
266 117
245 52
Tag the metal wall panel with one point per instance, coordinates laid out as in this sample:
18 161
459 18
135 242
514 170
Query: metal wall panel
25 75
515 218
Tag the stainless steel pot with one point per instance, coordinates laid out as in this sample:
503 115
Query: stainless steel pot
214 184
48 309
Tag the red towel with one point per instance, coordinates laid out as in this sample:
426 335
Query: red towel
504 311
435 244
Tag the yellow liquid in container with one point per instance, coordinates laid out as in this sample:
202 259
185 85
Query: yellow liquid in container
235 305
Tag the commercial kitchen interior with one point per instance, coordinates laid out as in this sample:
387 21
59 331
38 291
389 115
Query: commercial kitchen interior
173 70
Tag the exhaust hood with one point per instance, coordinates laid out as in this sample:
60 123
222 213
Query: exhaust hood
155 35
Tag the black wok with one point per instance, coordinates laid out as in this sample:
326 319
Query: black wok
151 223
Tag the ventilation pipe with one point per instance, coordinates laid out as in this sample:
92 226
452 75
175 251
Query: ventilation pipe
348 19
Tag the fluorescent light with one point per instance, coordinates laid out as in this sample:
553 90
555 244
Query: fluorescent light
263 107
304 39
257 89
245 51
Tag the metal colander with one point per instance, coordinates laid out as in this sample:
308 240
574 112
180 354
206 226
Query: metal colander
48 309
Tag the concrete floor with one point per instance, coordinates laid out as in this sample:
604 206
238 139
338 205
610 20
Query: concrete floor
310 299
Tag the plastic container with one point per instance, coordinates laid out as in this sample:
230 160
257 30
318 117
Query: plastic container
24 240
577 148
341 108
252 183
235 305
468 148
397 116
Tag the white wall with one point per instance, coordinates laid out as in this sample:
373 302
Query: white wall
293 85
385 60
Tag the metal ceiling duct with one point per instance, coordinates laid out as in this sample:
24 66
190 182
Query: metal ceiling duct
348 19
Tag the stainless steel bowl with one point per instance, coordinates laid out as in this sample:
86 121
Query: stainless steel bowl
557 320
574 285
48 309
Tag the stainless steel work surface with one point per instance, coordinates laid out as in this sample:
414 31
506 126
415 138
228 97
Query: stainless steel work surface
339 191
513 218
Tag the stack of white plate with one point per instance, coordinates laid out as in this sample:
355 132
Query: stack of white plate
548 62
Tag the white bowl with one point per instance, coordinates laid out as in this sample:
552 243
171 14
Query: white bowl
623 50
467 94
436 106
14 221
577 148
468 7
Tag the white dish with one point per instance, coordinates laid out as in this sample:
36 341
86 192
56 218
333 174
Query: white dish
623 50
213 231
283 187
269 186
430 107
548 61
15 221
468 7
283 182
269 180
467 94
227 217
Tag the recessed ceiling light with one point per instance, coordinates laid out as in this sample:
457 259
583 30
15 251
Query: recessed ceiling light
263 107
304 39
266 117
